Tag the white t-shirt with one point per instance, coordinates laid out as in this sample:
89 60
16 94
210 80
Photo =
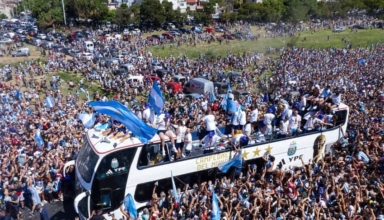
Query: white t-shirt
204 105
268 118
235 118
243 118
180 136
161 125
294 121
147 114
188 145
309 124
210 123
336 99
284 127
247 130
254 115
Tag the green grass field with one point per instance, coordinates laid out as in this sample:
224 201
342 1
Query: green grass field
317 40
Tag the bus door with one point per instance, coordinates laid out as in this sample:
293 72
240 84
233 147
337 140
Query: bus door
82 205
105 199
69 179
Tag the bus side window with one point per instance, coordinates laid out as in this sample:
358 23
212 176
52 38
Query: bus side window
150 155
340 117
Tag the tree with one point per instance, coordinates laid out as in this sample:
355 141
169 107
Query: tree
48 13
251 12
205 15
299 10
3 16
170 14
123 15
135 9
152 12
273 10
91 9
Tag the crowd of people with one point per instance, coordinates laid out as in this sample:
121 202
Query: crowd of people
347 183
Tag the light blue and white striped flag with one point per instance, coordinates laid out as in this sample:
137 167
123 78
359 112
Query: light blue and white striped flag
132 122
236 161
39 140
156 99
130 207
49 101
87 119
215 207
177 197
212 96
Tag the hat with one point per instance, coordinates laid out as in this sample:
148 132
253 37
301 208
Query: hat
270 110
321 116
146 105
167 115
253 166
211 134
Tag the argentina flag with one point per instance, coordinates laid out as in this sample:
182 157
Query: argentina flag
38 139
87 119
49 101
215 207
132 122
236 161
156 99
232 106
212 96
130 207
174 190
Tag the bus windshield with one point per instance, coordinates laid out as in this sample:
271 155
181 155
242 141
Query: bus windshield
86 161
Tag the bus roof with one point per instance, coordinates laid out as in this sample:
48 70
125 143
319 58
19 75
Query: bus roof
96 139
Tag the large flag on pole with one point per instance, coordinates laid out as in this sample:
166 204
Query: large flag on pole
132 122
156 99
236 161
174 189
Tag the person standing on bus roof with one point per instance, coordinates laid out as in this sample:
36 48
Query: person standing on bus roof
209 120
163 123
180 134
188 142
210 141
147 113
268 118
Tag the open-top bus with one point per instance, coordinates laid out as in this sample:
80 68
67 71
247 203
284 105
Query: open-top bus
106 172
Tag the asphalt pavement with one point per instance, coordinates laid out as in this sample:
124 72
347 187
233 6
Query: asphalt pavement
61 210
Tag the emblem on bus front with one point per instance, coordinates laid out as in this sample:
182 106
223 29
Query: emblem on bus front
292 148
114 163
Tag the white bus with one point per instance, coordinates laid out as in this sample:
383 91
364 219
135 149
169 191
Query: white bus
106 172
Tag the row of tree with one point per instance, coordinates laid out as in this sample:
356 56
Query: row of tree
299 10
154 13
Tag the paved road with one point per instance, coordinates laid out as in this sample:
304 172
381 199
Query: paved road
57 211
